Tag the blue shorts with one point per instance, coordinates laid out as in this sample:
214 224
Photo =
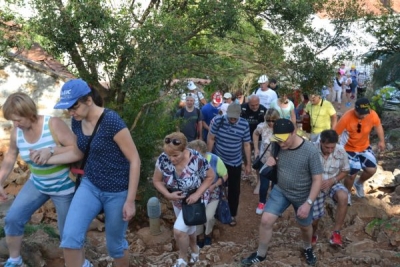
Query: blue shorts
361 160
277 203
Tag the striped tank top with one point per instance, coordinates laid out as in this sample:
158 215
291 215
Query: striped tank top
48 179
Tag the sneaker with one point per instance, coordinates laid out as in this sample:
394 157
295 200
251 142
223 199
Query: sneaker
349 200
336 239
260 208
348 104
359 189
253 258
314 240
207 241
14 264
180 263
194 257
311 259
352 97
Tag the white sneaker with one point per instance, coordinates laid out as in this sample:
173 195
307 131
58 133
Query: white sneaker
349 199
194 257
359 189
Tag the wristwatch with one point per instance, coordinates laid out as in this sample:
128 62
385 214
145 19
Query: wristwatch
51 151
309 201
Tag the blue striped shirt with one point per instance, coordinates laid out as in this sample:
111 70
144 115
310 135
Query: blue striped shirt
229 139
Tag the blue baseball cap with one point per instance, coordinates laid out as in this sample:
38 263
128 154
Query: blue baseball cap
71 92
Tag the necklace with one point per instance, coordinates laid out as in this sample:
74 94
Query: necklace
319 111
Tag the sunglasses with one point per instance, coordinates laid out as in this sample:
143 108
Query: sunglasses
359 128
175 142
271 121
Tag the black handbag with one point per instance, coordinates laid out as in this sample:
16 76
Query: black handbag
257 163
270 172
194 214
223 213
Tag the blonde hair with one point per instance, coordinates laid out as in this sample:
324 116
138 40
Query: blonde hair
20 104
177 136
272 114
198 145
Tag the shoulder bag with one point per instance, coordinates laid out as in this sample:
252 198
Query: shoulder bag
257 163
195 213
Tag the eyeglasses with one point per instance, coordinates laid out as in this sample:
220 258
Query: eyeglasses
359 128
175 142
271 121
74 107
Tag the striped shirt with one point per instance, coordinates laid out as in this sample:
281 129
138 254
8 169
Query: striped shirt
48 179
229 139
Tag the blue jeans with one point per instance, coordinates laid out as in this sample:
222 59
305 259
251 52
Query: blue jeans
28 200
86 204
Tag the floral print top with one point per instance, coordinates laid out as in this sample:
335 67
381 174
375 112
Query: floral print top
189 180
266 133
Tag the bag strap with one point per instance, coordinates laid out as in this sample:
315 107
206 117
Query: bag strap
86 155
262 155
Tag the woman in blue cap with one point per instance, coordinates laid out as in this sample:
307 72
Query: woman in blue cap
110 179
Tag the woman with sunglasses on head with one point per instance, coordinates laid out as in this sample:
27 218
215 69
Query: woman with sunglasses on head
265 130
110 179
33 137
182 174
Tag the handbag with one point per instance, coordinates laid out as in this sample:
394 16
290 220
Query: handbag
223 213
270 172
194 214
257 163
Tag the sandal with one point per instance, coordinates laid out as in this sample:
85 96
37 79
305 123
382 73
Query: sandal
180 263
233 222
194 257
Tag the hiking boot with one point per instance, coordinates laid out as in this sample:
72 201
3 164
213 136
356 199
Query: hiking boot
349 200
311 259
359 189
14 264
260 208
336 239
314 240
253 258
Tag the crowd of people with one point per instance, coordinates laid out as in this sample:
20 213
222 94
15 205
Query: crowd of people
213 141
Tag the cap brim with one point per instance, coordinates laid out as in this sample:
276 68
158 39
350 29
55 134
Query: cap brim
363 111
280 137
64 105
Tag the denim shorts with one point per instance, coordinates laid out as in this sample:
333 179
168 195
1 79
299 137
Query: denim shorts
86 204
277 203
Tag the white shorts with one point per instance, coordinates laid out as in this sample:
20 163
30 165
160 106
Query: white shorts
180 223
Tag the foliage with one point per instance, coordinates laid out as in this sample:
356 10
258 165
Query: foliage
378 101
139 50
33 228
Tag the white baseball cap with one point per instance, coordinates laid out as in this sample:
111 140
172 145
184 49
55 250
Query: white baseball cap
227 95
191 86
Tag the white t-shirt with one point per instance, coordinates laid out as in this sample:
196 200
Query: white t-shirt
336 86
266 97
